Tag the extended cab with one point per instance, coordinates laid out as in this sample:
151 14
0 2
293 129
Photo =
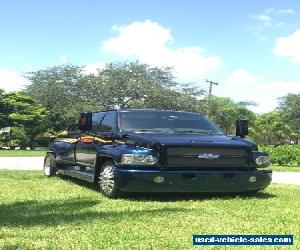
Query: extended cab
144 150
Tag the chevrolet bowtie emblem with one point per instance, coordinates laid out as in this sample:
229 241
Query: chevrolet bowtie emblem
208 156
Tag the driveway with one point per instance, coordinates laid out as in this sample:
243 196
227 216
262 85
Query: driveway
36 163
286 177
22 163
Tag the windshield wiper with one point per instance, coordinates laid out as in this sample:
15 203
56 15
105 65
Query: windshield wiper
194 131
151 131
198 131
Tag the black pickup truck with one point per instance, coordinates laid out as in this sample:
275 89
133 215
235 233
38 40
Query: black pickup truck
145 150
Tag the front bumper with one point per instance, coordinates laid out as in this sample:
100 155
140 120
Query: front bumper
192 181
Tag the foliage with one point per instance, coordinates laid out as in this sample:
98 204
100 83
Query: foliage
19 137
284 155
61 90
135 85
43 139
66 90
57 213
272 129
281 126
3 115
225 112
21 112
290 107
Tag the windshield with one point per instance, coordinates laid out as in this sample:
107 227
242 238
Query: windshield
166 122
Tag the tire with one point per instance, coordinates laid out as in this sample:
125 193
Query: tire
107 184
49 165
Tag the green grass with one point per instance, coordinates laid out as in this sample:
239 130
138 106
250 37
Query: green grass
285 169
22 153
37 212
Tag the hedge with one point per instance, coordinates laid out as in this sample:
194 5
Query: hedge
284 155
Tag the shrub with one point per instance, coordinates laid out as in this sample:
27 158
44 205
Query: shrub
19 138
284 155
43 139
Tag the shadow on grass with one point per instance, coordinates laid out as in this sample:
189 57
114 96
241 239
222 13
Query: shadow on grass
78 182
57 212
170 197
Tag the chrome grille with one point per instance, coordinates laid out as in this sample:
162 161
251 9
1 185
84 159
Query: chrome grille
206 157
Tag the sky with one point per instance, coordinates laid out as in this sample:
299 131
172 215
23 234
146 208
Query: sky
251 48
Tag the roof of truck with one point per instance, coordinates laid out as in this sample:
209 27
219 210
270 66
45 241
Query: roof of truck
146 109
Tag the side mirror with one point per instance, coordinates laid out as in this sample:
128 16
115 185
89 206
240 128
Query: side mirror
241 128
85 121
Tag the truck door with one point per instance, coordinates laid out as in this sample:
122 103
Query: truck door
85 150
103 135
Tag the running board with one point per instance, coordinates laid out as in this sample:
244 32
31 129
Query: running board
77 174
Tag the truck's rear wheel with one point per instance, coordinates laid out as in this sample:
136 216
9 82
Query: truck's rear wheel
107 183
49 165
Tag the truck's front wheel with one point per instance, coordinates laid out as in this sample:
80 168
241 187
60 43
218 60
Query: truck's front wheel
107 183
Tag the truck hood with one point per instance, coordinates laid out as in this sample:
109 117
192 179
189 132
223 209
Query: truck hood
193 140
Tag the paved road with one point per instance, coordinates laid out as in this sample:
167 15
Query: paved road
36 163
286 177
22 163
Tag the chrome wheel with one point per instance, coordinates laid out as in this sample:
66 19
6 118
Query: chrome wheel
108 184
47 166
106 179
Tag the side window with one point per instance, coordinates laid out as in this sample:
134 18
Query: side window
96 119
108 123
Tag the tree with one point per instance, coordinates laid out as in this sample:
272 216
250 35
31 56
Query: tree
23 114
225 112
280 126
271 129
132 85
3 116
61 90
290 107
67 90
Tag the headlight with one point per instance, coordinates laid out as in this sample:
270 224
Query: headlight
263 161
261 158
138 159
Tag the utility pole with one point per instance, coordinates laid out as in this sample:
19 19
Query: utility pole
211 83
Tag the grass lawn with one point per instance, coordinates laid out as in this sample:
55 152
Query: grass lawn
37 212
22 153
284 169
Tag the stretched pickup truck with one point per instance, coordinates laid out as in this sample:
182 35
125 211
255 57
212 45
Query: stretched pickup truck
145 150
